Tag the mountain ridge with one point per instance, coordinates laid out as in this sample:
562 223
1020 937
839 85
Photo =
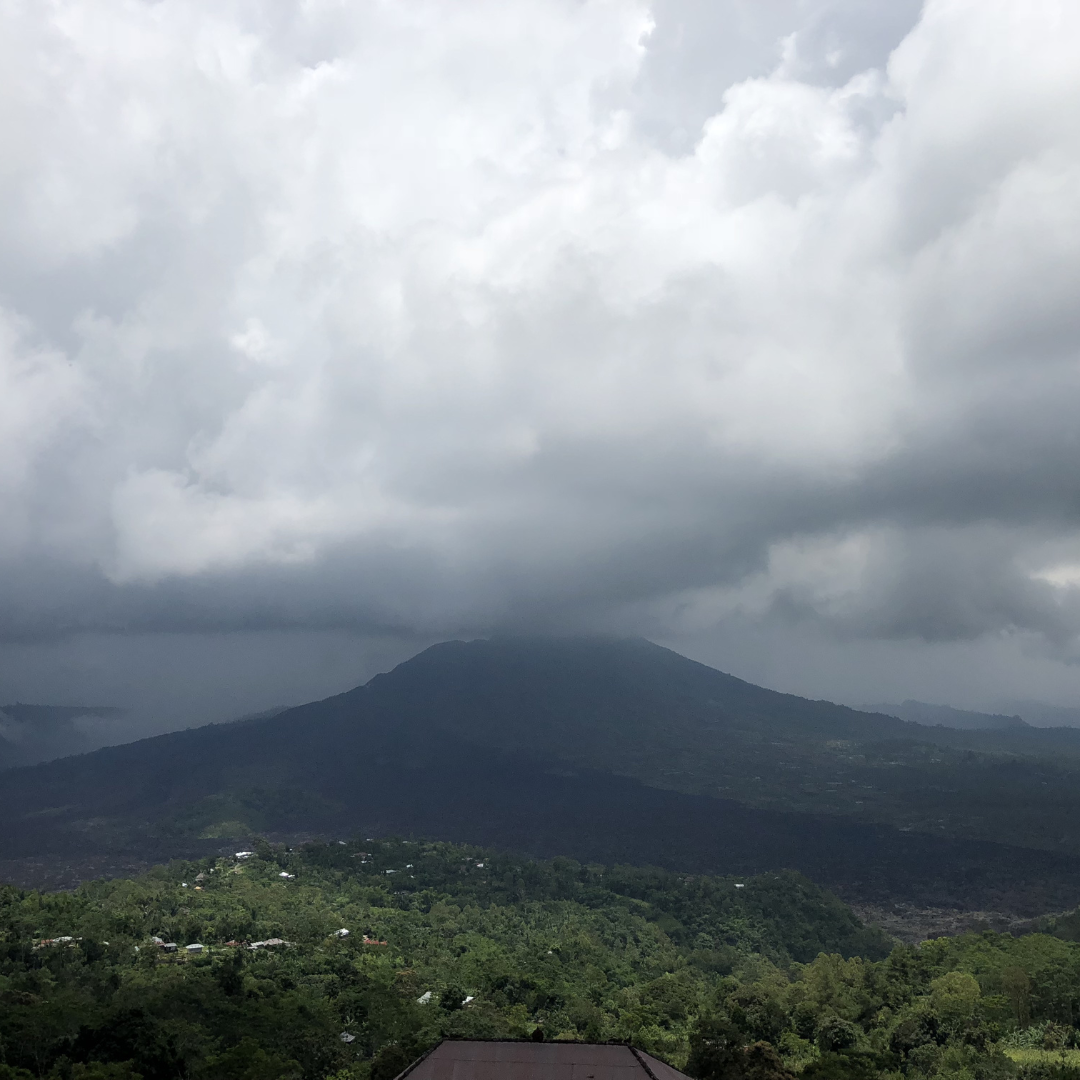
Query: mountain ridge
922 712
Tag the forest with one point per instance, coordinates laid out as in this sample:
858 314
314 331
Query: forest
347 960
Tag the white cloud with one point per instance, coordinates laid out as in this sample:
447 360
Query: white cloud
43 397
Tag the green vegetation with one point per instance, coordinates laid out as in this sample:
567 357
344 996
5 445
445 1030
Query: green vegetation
730 980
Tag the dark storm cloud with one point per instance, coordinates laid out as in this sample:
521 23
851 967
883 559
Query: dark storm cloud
422 320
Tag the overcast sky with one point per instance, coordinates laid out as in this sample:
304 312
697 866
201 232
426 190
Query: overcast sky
332 329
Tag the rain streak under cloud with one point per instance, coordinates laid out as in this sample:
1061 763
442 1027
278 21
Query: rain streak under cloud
328 330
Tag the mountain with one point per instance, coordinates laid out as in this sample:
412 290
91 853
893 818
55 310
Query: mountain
919 712
609 750
1039 714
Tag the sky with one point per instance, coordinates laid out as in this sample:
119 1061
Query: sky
329 330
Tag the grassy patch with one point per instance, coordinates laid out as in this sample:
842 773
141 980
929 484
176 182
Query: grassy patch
1031 1056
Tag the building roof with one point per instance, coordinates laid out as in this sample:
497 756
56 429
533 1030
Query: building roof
525 1060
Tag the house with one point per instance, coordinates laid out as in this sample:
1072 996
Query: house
531 1060
67 940
193 949
269 943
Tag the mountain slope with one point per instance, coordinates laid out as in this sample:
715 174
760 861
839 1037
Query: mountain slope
635 709
612 750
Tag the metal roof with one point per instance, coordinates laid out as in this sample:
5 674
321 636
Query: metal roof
525 1060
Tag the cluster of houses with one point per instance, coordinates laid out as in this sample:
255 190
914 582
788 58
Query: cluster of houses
172 947
425 999
68 940
196 948
343 933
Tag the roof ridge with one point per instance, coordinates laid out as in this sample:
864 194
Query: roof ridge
527 1039
423 1057
529 1059
642 1062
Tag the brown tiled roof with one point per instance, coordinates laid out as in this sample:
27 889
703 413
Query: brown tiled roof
525 1060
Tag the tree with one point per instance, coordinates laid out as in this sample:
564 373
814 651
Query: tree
716 1050
837 1034
954 996
834 1066
1016 985
761 1062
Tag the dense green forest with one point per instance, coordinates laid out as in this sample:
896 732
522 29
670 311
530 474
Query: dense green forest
767 977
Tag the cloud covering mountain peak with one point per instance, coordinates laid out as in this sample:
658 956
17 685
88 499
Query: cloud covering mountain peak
430 317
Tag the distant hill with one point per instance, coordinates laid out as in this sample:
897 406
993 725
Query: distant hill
1039 714
33 733
919 712
616 751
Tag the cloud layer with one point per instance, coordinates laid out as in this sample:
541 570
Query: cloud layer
432 318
